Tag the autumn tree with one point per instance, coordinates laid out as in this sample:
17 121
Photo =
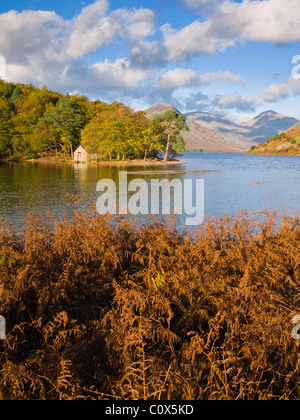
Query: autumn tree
29 111
169 126
44 138
116 131
35 121
5 126
151 142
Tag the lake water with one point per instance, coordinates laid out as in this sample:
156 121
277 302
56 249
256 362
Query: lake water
36 187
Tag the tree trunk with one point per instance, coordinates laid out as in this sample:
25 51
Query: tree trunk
167 149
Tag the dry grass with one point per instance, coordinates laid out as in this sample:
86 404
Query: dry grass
97 310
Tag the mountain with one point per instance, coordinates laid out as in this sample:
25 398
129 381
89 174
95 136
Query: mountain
214 133
286 143
201 136
263 126
159 109
256 130
229 132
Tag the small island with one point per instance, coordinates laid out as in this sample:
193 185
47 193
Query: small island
287 143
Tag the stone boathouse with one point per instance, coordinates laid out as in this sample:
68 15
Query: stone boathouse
81 155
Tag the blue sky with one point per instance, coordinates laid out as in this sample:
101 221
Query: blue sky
232 58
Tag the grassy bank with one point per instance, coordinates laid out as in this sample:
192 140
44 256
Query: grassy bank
284 144
97 310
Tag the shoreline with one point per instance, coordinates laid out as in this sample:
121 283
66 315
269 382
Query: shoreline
271 154
55 161
140 163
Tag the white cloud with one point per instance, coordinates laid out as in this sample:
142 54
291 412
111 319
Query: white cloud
25 34
33 44
41 47
224 105
229 23
279 91
118 75
146 54
89 30
235 101
177 78
275 92
180 77
2 68
226 76
193 39
203 5
94 28
268 20
294 86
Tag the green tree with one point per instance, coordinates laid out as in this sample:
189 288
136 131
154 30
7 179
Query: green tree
68 119
6 89
151 142
169 126
16 95
6 127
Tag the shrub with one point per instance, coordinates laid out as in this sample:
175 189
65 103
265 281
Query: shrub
98 308
293 141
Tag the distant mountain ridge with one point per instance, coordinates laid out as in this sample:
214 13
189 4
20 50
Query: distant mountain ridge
262 127
214 133
200 136
228 131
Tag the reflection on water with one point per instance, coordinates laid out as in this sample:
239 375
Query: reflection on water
229 183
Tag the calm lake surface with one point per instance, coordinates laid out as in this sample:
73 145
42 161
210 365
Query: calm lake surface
36 187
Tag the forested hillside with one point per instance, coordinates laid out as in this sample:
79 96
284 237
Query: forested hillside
38 122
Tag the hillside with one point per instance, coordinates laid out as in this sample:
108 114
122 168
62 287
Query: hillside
294 127
229 132
267 124
204 139
256 130
201 136
214 133
287 143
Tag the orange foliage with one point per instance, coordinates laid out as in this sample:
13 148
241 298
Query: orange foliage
98 308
